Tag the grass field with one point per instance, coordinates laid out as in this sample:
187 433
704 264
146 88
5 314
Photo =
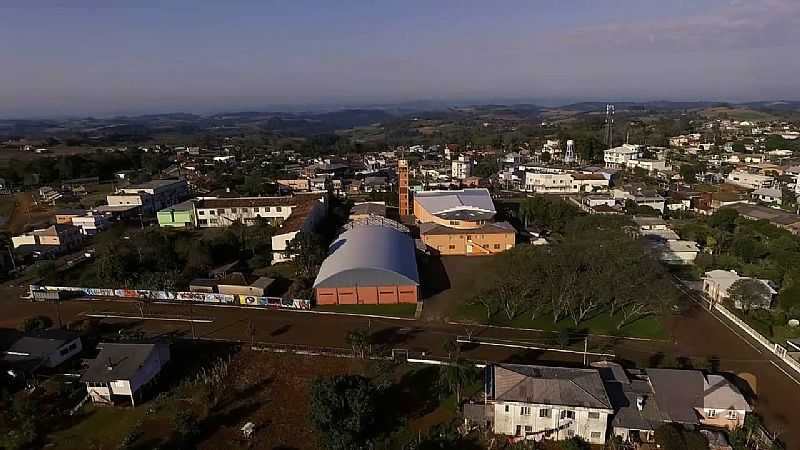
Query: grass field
399 310
99 427
647 327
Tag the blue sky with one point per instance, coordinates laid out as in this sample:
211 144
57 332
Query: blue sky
107 57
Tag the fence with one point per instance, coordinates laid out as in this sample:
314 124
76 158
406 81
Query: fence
42 292
777 349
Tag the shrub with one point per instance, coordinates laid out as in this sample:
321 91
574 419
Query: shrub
37 323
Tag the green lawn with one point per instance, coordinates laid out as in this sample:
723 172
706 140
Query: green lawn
399 310
647 327
100 427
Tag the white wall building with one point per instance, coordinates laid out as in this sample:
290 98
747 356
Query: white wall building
717 282
618 157
521 402
461 168
564 183
122 369
750 180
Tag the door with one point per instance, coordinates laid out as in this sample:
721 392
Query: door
519 431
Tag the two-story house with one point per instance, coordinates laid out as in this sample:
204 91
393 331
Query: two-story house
555 403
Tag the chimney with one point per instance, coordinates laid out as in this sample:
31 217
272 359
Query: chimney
110 366
640 403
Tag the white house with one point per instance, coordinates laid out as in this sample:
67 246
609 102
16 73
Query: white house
461 168
122 369
750 180
717 282
535 402
44 348
90 224
564 183
306 217
770 196
723 405
618 157
679 252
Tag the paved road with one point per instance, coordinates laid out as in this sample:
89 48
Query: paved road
701 341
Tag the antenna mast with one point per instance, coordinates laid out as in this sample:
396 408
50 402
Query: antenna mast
609 125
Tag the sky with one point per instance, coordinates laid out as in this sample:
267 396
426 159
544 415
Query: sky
105 57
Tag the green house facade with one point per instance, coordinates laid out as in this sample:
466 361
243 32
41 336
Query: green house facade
177 216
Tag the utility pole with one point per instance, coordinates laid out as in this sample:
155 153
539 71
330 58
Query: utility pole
191 320
585 348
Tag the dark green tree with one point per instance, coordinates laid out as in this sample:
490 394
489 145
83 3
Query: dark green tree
343 412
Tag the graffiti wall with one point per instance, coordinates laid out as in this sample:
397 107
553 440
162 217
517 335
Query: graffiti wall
179 297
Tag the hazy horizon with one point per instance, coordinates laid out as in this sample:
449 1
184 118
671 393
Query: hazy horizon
100 59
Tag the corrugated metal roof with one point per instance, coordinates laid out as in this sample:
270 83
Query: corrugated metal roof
369 255
437 202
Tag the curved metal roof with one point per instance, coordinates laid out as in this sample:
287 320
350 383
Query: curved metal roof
369 255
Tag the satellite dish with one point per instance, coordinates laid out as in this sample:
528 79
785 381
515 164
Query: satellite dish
794 323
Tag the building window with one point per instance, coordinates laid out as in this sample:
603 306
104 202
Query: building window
233 210
277 209
497 246
245 210
528 429
508 408
596 435
567 414
201 213
525 411
220 211
594 415
453 222
544 412
212 212
732 415
712 413
203 222
452 247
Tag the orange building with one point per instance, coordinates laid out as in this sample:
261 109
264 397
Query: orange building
369 263
461 223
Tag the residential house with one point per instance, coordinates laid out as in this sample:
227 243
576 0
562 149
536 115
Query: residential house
42 349
777 217
678 252
724 406
564 183
150 196
641 195
770 196
296 185
58 236
539 402
306 216
122 370
717 282
181 215
619 157
750 180
461 168
91 224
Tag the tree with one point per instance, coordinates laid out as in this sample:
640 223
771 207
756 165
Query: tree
455 376
747 293
308 252
575 443
359 341
689 173
343 411
724 219
37 323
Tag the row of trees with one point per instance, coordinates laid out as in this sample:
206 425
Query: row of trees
598 266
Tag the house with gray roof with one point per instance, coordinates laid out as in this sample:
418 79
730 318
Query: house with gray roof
540 402
122 370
